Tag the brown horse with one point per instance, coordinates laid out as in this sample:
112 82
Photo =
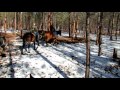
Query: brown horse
28 39
47 36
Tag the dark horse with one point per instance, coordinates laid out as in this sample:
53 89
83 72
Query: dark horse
28 39
48 36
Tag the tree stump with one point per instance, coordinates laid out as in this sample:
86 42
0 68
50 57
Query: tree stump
114 54
119 62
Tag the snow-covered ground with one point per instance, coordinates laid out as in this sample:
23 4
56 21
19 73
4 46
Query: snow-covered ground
61 61
11 30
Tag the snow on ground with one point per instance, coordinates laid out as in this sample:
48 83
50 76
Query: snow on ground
61 61
11 30
107 45
80 34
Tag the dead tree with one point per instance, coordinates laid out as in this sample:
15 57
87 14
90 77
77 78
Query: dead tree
100 28
87 46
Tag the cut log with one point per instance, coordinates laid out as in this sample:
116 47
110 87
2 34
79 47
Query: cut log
70 40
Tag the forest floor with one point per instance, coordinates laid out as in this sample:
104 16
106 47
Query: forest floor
61 61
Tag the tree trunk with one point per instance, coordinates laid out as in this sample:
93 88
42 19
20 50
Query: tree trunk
100 28
69 25
21 24
49 20
15 27
76 28
117 26
109 25
87 46
28 21
42 20
73 29
5 23
96 26
26 25
112 26
97 31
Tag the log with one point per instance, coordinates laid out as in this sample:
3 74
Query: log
70 40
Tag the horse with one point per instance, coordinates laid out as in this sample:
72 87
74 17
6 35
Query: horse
28 39
2 46
48 36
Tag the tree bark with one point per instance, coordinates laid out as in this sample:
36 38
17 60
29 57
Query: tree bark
112 26
109 25
87 46
15 27
100 28
117 26
42 20
69 25
21 24
5 23
97 31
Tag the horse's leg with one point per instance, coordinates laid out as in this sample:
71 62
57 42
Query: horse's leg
46 44
42 40
38 43
46 41
29 48
38 37
34 46
23 46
